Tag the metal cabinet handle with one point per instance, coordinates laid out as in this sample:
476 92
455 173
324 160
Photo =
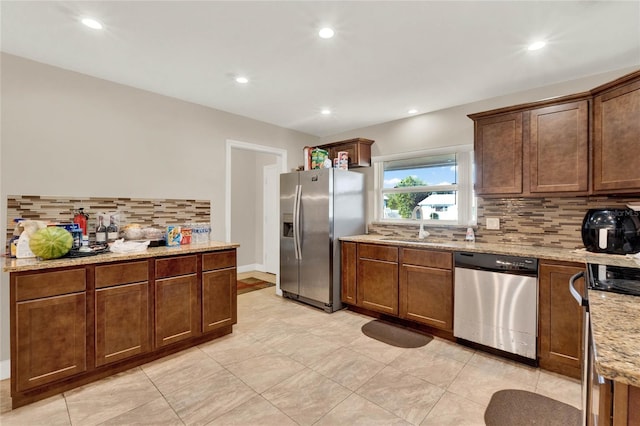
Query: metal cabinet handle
581 300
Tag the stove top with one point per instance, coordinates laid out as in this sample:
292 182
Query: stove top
615 279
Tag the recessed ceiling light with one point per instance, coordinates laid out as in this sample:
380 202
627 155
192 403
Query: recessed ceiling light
325 111
537 45
412 111
92 23
242 80
326 33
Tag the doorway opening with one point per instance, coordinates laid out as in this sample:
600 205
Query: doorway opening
252 205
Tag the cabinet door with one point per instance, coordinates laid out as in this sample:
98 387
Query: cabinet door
177 314
426 296
560 319
348 264
219 293
616 144
122 322
378 285
50 340
498 154
558 147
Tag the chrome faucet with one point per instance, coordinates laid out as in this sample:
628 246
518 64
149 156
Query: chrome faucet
422 234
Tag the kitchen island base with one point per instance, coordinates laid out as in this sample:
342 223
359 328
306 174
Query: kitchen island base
75 321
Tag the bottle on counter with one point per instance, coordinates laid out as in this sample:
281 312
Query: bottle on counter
112 230
12 243
82 219
101 231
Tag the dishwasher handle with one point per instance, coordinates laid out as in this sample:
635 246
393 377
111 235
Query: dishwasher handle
581 300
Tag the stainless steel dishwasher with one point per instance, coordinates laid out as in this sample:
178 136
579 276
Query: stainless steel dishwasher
496 302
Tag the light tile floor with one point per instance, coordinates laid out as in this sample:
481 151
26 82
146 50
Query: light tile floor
287 364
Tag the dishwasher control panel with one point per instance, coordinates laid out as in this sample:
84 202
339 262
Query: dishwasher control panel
497 262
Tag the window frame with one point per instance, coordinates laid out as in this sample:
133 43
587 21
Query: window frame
464 186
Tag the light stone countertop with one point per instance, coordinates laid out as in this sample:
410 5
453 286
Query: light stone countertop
32 264
547 253
615 323
615 318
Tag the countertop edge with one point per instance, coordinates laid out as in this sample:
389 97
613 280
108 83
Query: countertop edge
33 264
540 252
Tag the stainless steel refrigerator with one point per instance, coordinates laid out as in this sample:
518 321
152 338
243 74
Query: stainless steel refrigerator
317 207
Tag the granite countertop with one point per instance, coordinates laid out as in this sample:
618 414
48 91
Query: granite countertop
547 253
615 318
32 264
615 323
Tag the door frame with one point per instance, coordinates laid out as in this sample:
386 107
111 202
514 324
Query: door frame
281 161
270 242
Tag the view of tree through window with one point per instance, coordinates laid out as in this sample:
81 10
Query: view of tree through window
424 187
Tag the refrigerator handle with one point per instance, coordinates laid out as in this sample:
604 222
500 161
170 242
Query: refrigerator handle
296 223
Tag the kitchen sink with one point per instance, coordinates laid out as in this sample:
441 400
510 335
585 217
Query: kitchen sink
406 240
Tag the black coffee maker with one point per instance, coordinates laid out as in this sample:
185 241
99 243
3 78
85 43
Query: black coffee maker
613 230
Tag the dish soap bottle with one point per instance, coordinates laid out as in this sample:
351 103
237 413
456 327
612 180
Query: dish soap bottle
471 237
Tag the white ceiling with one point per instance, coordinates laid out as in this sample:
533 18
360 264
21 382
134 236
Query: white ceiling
385 58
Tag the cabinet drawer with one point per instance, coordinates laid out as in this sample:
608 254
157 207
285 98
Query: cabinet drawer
175 266
121 273
374 251
428 258
34 286
219 260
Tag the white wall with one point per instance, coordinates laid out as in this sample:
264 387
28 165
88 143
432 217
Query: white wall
65 133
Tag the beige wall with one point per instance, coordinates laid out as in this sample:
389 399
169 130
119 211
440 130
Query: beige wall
452 126
69 134
246 204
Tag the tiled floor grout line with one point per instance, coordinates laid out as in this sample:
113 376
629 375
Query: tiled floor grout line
161 394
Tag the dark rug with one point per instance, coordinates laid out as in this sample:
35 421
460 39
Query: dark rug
518 407
246 285
394 335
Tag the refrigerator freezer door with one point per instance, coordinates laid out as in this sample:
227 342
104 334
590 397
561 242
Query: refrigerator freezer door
288 260
316 219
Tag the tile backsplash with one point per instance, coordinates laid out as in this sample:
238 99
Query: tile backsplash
548 222
146 212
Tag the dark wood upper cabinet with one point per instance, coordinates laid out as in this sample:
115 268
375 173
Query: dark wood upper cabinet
358 149
616 137
558 142
498 154
544 148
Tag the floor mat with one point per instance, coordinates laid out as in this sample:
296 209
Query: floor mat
518 407
246 285
394 335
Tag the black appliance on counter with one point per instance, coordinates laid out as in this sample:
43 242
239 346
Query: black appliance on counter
596 390
615 231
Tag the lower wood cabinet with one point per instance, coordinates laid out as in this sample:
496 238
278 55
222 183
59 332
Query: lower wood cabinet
413 284
122 311
560 319
48 313
122 322
73 325
426 287
348 272
378 278
219 290
177 313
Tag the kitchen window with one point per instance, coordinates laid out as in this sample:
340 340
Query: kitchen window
435 186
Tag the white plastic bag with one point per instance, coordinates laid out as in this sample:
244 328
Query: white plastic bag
122 246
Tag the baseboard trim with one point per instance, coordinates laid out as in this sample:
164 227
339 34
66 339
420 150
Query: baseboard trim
248 268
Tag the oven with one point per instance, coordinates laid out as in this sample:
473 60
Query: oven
597 392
